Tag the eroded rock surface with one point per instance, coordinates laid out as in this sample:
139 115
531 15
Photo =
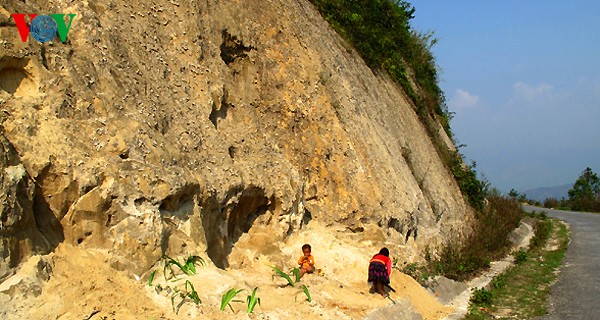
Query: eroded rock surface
190 127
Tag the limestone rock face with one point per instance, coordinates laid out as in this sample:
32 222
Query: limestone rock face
179 127
24 230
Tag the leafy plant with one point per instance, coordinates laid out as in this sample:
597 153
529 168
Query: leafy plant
541 233
192 293
524 287
520 257
283 275
306 292
188 266
227 298
481 297
585 194
252 301
296 273
465 255
498 281
151 277
188 292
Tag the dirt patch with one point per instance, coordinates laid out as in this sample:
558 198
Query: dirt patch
82 285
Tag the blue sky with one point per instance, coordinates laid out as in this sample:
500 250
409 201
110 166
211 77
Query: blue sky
523 79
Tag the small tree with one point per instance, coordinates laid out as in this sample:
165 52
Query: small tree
513 193
585 194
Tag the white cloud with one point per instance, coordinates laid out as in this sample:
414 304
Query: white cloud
531 93
462 99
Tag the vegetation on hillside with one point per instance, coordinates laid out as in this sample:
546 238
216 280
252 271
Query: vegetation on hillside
464 256
522 291
583 196
380 31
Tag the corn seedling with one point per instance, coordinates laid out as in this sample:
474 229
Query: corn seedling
176 293
305 290
192 293
296 273
252 301
188 266
188 292
283 275
227 298
151 278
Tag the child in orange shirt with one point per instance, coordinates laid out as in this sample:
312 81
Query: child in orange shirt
306 262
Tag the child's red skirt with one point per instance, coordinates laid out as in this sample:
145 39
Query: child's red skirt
378 272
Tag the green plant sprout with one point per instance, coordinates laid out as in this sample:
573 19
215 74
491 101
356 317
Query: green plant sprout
151 278
252 301
188 292
296 273
227 298
284 275
188 267
305 290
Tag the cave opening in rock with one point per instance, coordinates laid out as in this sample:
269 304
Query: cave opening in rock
15 78
226 223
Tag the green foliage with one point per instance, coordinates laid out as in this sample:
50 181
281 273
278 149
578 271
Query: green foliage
291 282
188 266
187 293
296 273
585 194
542 232
464 256
498 281
283 275
252 300
481 297
542 215
151 277
227 298
380 31
306 292
191 292
466 176
526 286
520 257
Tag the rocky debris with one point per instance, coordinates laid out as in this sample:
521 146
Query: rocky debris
401 309
20 232
29 280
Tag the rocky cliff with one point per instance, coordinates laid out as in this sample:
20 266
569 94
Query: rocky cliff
216 128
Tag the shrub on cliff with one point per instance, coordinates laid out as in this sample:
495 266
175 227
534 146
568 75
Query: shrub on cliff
381 33
465 256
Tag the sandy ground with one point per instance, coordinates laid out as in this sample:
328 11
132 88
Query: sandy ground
82 285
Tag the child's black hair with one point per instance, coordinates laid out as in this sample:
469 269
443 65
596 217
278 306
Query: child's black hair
306 246
384 251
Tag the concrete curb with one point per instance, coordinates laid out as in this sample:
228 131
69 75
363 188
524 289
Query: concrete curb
449 291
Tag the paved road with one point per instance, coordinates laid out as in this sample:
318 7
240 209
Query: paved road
577 292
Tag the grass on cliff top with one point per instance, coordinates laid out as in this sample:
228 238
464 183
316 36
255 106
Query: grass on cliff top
381 32
522 291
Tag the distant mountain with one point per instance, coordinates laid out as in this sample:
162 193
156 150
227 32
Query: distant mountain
541 194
